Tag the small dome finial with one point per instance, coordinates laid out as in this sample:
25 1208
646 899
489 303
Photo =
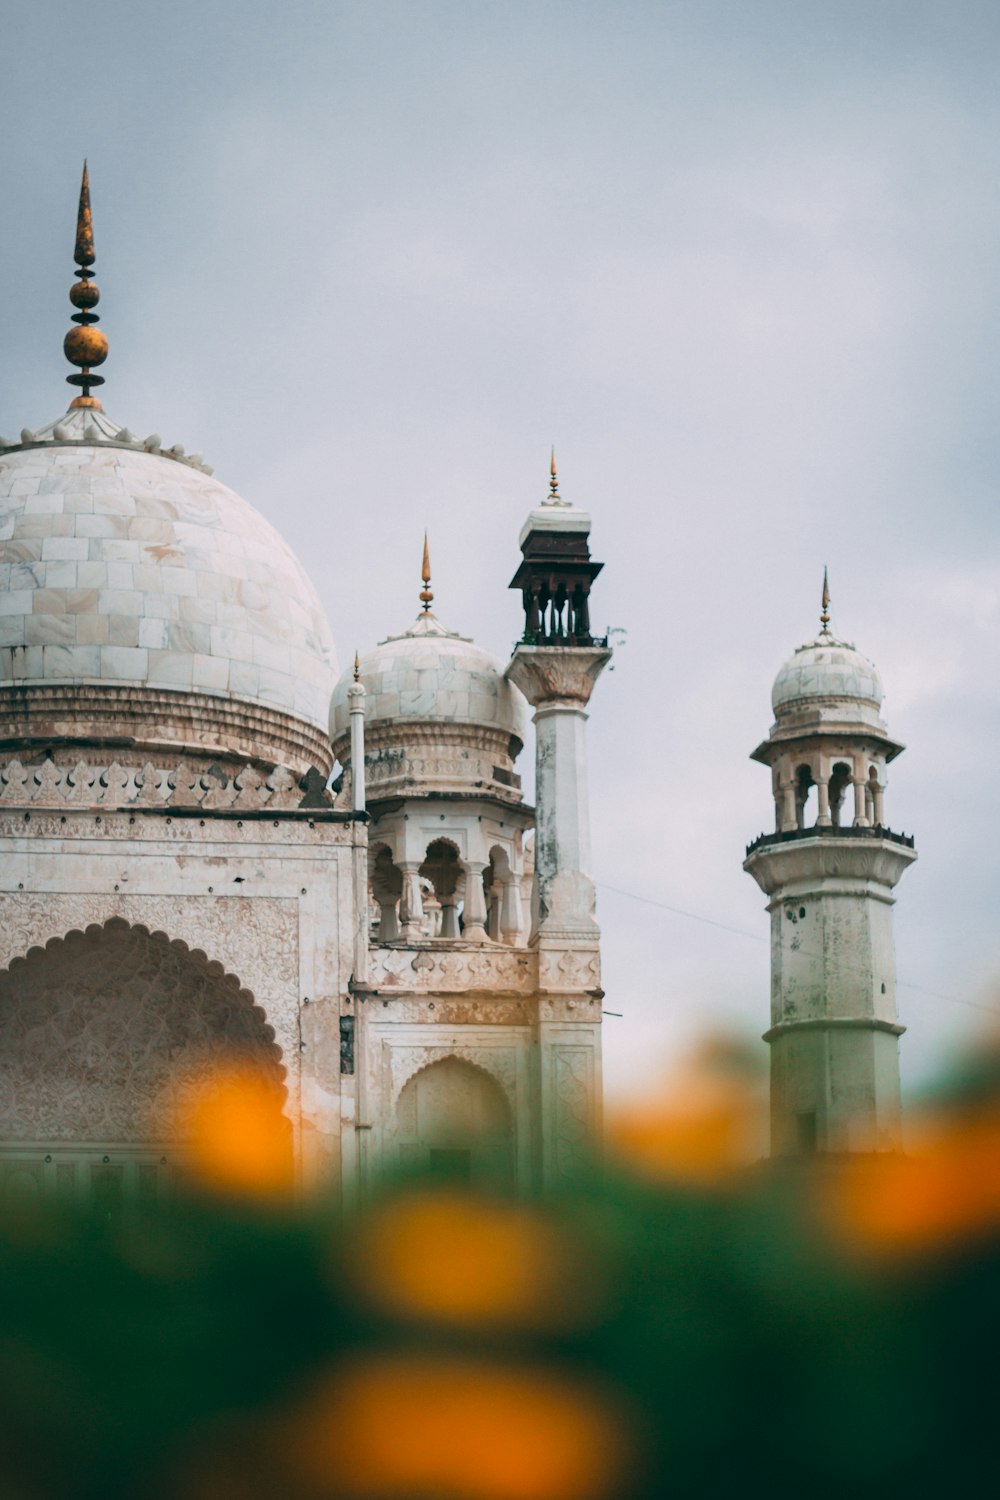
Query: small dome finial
554 495
824 618
426 593
357 667
85 345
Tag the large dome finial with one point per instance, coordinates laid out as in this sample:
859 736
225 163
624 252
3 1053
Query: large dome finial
824 618
426 593
85 345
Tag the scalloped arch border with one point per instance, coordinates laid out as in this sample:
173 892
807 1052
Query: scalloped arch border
199 957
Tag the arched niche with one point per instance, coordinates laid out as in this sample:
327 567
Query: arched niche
454 1116
103 1033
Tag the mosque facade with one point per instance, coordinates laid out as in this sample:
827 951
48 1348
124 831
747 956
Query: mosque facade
405 948
215 850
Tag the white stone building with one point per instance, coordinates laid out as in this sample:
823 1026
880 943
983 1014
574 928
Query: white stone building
177 883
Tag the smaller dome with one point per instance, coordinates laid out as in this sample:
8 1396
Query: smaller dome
433 675
825 669
439 714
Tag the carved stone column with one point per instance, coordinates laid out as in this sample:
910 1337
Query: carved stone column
557 682
474 910
411 906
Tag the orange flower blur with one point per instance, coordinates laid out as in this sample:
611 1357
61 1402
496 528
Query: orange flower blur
945 1194
237 1139
456 1260
706 1121
454 1429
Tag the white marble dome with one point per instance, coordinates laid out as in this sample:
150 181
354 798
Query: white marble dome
140 598
441 720
826 669
433 675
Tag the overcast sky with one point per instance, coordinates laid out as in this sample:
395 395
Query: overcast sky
738 259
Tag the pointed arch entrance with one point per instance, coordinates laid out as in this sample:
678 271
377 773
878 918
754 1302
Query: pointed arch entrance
454 1115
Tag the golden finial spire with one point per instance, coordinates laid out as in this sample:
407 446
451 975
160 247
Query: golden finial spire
553 479
85 345
426 594
357 667
824 618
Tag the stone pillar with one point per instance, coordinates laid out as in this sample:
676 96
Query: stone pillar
823 819
788 818
388 925
474 910
449 916
411 906
879 794
860 802
510 911
356 708
557 681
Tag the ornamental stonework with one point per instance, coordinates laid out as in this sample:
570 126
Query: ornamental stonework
458 969
115 784
254 939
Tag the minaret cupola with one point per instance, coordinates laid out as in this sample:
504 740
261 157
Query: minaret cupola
556 571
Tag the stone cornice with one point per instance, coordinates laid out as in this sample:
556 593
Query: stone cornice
834 1023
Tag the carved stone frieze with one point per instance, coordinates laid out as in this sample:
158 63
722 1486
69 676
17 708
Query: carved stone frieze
568 968
463 969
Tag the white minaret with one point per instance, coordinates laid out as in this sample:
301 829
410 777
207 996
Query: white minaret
829 870
555 665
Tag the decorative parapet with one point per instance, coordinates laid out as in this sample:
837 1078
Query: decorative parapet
148 786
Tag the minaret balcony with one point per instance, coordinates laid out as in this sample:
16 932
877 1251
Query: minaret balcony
789 835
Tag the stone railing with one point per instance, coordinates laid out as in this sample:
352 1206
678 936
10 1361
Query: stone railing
148 786
787 835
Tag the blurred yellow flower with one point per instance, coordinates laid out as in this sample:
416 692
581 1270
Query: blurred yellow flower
706 1120
236 1137
458 1260
946 1193
449 1428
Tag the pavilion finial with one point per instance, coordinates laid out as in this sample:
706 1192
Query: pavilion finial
85 345
357 667
824 618
426 593
553 497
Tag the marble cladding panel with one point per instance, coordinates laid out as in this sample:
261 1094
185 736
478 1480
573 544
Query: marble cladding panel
121 566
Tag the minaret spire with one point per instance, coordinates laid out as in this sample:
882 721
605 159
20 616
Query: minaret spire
85 345
426 594
824 618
